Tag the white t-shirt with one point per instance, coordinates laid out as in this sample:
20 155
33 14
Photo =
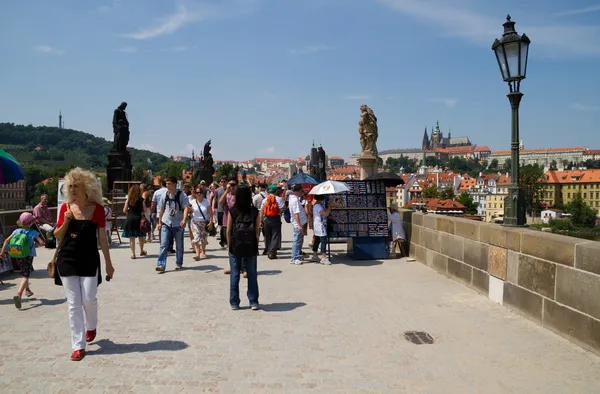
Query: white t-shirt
297 207
319 222
196 207
158 197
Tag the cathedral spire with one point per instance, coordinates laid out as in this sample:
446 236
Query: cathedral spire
425 145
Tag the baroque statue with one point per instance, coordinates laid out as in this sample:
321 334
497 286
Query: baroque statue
367 128
120 128
205 169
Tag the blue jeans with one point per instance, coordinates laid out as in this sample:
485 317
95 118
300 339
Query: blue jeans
235 264
166 233
298 235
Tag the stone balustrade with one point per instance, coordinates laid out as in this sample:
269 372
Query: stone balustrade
551 279
8 219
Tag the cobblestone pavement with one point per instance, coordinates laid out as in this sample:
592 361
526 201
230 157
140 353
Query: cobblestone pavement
327 329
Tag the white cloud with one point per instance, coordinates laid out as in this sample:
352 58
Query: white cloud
179 48
593 8
359 97
193 12
148 147
48 49
109 7
449 102
584 107
128 49
269 150
309 49
552 39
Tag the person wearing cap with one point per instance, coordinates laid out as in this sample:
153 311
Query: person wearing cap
25 258
270 217
396 228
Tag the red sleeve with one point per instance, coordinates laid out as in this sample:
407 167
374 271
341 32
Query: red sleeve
99 217
61 215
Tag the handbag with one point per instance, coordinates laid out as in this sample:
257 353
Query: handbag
145 225
54 263
210 229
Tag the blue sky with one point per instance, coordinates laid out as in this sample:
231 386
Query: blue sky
266 77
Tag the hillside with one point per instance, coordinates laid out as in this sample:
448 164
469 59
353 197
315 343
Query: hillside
51 147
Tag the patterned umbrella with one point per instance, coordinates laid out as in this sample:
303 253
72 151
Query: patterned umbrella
10 170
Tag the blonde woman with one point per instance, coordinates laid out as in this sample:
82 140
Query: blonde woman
134 209
80 221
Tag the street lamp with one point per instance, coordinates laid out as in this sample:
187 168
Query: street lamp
511 52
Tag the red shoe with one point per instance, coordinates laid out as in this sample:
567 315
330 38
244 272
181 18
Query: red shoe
90 335
78 355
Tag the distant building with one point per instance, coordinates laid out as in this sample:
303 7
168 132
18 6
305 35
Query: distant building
562 186
12 196
543 157
336 161
438 140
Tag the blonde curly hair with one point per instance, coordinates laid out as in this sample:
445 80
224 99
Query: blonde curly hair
87 181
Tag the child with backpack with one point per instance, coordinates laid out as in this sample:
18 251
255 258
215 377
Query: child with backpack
20 246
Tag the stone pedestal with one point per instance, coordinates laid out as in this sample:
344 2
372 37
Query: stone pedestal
118 169
368 164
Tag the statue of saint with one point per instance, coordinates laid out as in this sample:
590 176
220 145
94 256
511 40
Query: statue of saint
321 164
120 128
367 128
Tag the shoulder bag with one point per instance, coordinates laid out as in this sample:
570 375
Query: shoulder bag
210 228
53 264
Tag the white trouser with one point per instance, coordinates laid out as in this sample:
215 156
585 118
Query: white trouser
81 292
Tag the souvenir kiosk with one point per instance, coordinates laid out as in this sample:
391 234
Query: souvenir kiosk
361 218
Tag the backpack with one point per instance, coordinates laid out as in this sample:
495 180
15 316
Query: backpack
244 236
271 208
287 215
177 200
18 247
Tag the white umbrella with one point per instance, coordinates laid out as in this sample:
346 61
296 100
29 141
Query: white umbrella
329 187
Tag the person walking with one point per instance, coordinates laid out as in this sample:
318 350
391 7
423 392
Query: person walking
202 218
134 209
299 219
228 201
270 218
81 223
21 248
174 209
243 231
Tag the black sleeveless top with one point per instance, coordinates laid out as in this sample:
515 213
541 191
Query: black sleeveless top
78 255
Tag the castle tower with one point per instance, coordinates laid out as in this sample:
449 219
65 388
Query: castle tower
425 145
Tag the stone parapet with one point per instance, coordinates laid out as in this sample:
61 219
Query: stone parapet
551 279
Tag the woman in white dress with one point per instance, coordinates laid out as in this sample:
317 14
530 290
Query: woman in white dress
396 228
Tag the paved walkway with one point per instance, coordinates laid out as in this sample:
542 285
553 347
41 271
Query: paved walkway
326 329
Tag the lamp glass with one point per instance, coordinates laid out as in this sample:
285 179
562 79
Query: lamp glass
524 54
501 61
512 56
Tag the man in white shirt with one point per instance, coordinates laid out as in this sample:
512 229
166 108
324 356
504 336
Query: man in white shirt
270 217
258 199
299 219
155 209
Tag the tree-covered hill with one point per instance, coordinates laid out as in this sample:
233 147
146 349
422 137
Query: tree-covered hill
51 147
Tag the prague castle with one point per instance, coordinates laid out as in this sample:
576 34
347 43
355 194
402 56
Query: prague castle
438 141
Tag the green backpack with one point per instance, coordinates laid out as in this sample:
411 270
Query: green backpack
18 247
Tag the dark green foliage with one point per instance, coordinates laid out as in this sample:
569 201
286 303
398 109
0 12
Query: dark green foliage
466 200
228 170
66 147
394 165
532 180
430 192
447 193
582 215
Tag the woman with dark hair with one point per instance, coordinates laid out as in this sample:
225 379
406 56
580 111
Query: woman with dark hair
243 231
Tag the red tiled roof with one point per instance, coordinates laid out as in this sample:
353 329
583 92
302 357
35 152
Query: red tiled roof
573 176
482 149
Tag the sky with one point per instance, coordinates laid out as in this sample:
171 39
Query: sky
264 78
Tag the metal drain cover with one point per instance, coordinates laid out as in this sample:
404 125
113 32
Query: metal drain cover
419 337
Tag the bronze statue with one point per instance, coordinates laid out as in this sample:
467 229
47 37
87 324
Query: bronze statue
321 165
205 167
367 127
120 128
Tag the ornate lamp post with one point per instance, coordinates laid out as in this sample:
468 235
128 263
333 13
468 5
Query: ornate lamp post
511 52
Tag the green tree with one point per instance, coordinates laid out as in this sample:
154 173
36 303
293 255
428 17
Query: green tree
507 165
447 193
466 200
139 174
553 165
582 215
493 165
228 170
532 180
379 162
430 192
173 168
431 161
